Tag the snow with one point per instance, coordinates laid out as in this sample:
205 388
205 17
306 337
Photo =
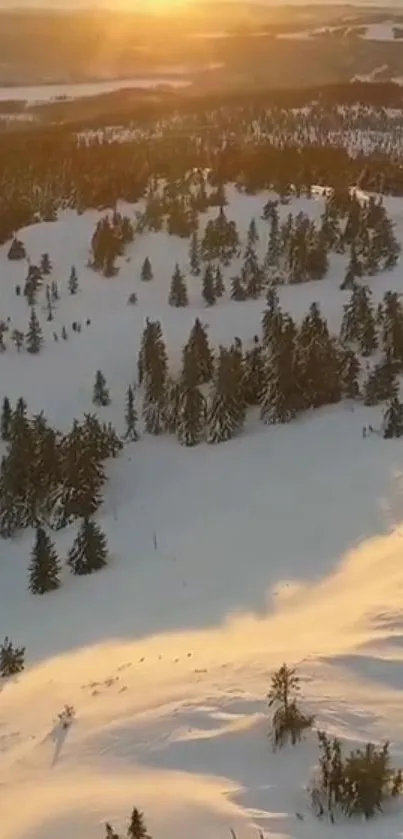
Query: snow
282 544
36 94
382 31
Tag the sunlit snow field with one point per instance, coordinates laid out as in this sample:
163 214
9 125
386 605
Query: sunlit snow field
282 544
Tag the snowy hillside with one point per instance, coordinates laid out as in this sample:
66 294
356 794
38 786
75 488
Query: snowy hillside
282 544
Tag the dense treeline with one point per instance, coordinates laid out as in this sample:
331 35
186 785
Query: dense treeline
253 144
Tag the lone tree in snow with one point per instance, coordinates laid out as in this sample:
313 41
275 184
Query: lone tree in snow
146 271
288 721
73 281
34 337
89 551
131 416
44 567
100 394
11 658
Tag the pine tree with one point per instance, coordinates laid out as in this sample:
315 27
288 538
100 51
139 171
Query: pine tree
227 409
137 828
18 339
34 338
280 398
350 371
208 286
100 394
219 287
191 414
11 659
46 265
89 551
253 236
54 290
131 416
73 281
6 419
49 304
238 291
272 320
392 425
194 255
178 295
253 376
381 384
44 567
199 351
146 271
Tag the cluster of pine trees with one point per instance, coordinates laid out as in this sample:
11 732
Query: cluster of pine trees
88 553
297 249
356 784
289 369
110 237
47 477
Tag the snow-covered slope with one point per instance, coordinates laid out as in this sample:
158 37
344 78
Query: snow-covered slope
282 544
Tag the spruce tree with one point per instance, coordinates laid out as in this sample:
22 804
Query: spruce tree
381 384
18 338
89 551
11 659
131 416
194 255
153 369
137 828
392 425
280 398
44 566
253 236
178 295
199 350
238 291
146 271
100 394
46 265
73 281
253 375
54 291
6 419
227 409
34 337
350 370
219 287
208 286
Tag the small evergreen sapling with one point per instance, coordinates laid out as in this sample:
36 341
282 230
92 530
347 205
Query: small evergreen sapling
89 552
44 567
288 721
100 394
11 659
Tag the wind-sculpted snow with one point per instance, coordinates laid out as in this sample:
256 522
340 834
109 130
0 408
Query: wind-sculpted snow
284 544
